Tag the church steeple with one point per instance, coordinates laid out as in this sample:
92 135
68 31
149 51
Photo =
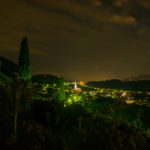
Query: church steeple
75 86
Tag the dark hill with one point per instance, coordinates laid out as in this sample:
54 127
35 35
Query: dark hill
45 78
141 85
7 67
137 78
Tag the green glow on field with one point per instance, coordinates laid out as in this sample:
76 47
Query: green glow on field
70 101
73 99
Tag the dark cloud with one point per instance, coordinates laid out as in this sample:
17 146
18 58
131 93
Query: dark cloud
80 39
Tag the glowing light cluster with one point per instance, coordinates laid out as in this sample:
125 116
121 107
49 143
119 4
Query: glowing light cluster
130 101
73 99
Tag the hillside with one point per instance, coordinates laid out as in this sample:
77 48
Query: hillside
7 66
141 85
45 78
137 78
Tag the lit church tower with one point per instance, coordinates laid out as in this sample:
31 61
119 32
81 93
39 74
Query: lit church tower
75 86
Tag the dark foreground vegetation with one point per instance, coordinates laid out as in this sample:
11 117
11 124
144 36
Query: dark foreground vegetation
47 124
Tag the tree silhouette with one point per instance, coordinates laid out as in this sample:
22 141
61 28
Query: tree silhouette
24 61
21 96
62 95
0 65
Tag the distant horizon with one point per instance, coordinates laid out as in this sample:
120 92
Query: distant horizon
72 79
81 79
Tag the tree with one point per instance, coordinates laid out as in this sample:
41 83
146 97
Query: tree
62 94
0 65
24 61
20 96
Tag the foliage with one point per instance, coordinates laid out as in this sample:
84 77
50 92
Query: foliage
45 79
48 124
7 67
24 60
62 94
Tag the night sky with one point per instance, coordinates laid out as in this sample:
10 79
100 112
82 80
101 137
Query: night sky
79 39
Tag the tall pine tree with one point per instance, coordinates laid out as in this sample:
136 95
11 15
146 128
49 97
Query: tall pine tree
62 95
24 61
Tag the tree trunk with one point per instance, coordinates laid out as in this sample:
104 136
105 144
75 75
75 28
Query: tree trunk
15 122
